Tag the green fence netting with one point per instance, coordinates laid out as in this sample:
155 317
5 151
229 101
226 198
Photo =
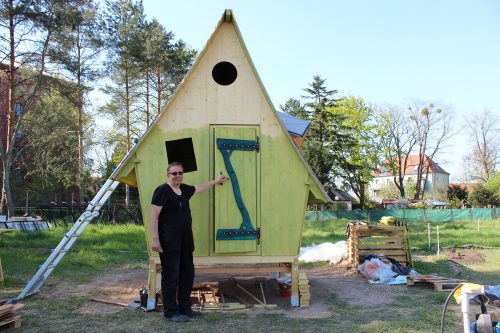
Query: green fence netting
407 215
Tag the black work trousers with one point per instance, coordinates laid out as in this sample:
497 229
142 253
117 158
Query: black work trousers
177 275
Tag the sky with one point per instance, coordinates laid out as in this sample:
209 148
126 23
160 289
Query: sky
446 52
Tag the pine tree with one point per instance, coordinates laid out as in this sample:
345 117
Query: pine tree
26 30
315 148
125 23
77 48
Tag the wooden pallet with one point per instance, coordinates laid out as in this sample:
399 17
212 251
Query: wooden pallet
438 283
10 322
383 240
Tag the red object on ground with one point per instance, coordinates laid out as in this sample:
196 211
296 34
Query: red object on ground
285 293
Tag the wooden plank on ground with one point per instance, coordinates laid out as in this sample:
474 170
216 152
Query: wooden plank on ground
6 308
111 302
12 322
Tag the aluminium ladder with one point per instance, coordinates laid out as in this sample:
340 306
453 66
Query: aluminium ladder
69 238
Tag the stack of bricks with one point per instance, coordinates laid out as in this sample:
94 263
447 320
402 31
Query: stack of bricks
305 295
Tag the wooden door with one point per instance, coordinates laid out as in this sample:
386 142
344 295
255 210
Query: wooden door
236 202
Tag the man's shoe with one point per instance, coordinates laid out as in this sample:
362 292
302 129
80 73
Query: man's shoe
178 318
191 313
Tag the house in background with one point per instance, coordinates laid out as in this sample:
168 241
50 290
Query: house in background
341 198
435 183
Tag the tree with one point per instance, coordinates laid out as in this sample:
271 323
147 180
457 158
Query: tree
125 21
457 195
389 191
468 172
433 129
483 197
318 150
49 159
359 158
397 143
294 108
483 132
26 29
457 191
419 130
493 184
77 47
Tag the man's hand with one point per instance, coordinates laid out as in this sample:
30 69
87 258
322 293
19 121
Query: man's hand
155 246
220 179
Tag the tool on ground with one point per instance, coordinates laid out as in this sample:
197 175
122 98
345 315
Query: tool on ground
246 230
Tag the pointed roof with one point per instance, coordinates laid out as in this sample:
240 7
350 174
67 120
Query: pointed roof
124 171
412 164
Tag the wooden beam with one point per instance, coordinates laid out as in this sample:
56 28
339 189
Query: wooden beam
104 301
249 293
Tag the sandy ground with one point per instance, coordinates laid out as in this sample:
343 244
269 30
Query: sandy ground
123 285
341 282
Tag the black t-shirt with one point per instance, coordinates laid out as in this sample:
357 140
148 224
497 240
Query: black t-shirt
174 221
175 207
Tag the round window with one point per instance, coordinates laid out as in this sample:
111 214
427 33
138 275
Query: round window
224 73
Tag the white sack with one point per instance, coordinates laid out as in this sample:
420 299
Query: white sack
334 253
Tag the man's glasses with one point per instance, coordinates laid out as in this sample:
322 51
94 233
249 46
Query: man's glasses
175 173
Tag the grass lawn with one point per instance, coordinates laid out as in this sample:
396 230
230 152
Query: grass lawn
455 233
97 248
104 248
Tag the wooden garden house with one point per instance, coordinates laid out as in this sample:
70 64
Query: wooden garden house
221 119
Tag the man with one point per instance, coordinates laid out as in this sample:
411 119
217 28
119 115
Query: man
172 237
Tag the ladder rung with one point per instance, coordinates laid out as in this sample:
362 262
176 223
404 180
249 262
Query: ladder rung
60 251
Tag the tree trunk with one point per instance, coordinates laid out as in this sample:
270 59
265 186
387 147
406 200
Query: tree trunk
6 190
80 121
362 195
400 176
7 148
127 112
158 92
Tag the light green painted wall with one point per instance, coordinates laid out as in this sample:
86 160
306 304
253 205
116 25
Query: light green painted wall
283 193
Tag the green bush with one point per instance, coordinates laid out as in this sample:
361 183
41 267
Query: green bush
457 192
483 197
